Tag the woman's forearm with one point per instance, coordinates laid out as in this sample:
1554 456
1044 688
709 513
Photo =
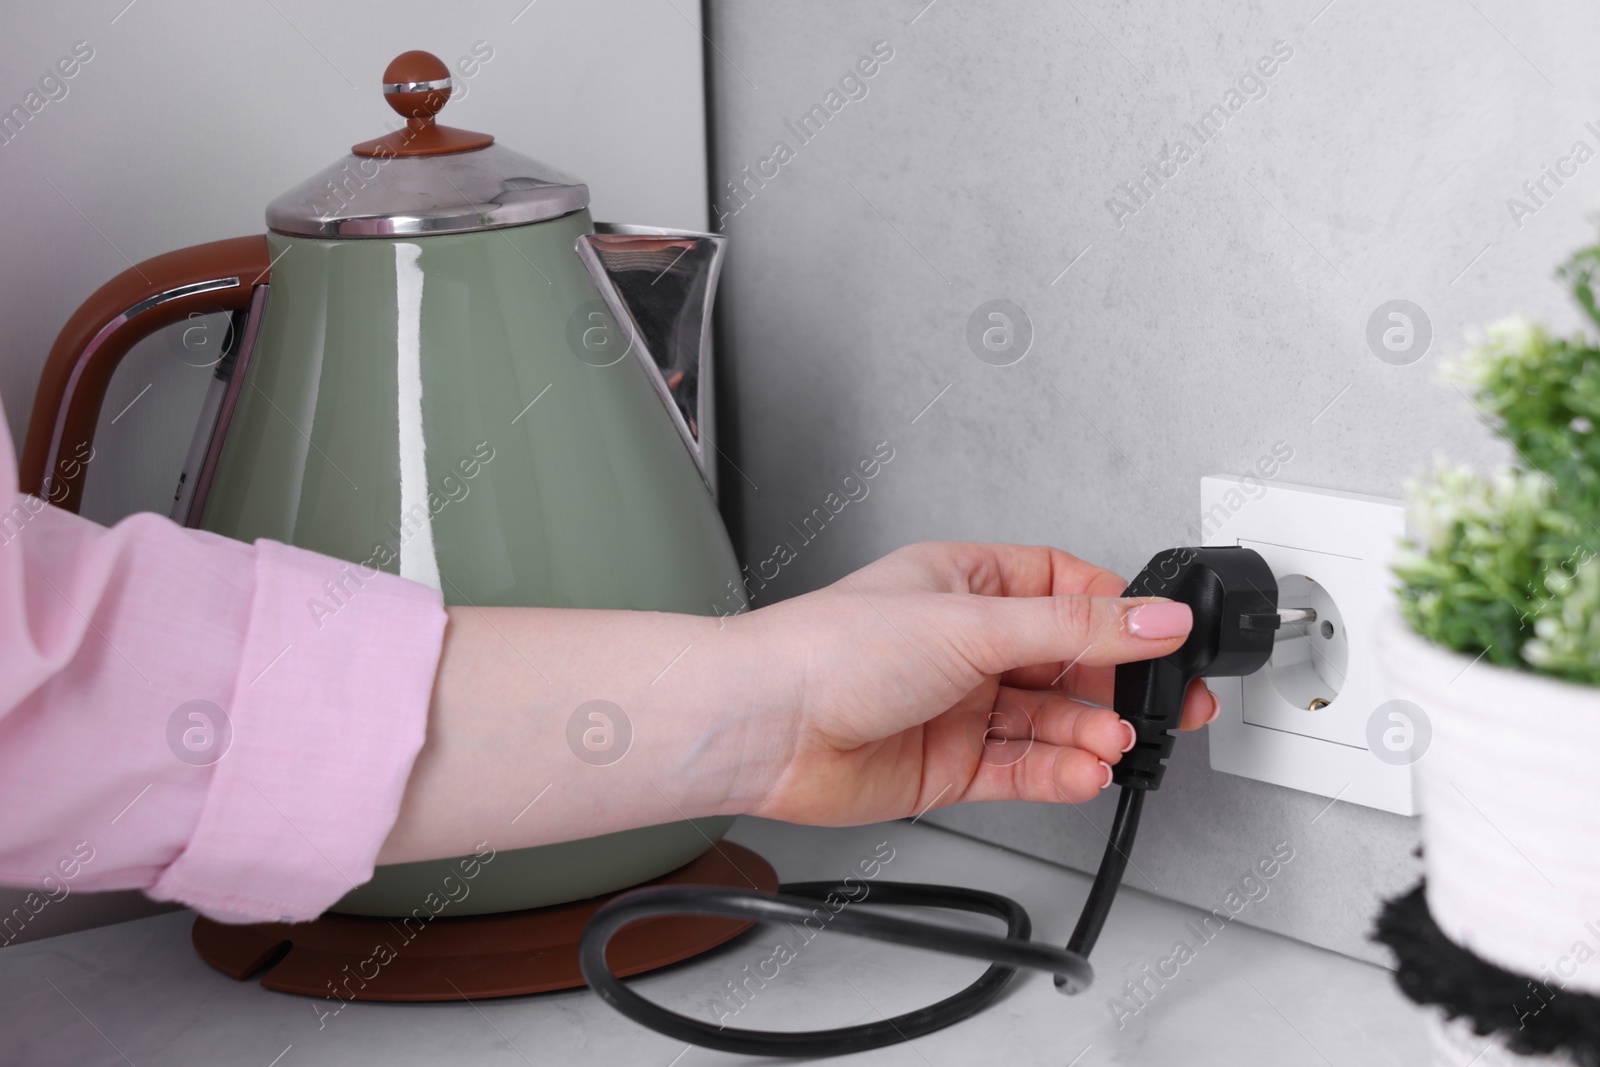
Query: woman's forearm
552 725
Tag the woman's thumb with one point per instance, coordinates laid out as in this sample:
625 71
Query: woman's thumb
1089 630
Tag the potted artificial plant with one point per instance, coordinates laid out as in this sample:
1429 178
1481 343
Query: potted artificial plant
1497 642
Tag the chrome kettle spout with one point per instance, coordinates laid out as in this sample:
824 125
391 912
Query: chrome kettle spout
659 285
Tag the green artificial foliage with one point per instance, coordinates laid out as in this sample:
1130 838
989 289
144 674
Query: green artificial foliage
1505 566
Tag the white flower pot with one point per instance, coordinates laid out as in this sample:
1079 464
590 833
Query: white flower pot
1509 793
1508 788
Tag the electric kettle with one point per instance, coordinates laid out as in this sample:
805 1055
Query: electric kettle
440 367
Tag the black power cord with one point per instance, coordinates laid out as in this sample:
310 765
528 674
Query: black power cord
1107 878
795 902
1235 602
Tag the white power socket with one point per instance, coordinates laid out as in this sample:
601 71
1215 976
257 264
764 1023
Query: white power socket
1304 720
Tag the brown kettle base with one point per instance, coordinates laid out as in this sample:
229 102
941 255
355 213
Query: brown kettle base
351 957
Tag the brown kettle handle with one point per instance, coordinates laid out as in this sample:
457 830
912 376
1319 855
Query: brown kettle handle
219 276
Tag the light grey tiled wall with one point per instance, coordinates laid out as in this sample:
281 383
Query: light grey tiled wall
1226 314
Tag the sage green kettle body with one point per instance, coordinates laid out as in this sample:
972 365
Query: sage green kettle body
441 370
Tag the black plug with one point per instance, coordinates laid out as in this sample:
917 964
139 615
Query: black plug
1234 598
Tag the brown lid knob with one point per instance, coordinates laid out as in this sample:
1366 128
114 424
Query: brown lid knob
417 84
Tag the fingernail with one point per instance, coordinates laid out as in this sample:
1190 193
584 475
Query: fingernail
1159 620
1133 734
1216 709
1107 766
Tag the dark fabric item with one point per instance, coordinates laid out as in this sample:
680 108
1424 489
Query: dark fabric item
1531 1016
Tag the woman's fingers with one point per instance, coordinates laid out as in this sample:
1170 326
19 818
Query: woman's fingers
1021 717
1199 706
1039 745
1045 772
1096 685
1043 746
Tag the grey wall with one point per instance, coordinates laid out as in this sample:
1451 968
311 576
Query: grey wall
191 116
1226 314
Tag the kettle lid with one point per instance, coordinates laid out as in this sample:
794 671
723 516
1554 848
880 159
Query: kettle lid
424 178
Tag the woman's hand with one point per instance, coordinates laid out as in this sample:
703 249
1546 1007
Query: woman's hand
941 673
949 672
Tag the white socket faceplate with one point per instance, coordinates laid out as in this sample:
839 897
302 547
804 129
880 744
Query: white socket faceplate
1343 542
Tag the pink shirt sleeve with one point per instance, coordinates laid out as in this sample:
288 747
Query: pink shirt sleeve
225 725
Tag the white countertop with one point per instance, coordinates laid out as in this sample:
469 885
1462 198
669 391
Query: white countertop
136 993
